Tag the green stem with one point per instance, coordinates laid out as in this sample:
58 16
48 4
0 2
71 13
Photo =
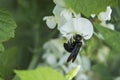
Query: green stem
34 61
36 50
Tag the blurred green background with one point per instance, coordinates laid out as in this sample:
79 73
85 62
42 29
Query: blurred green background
31 32
26 49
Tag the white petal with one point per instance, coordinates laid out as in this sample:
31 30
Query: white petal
84 27
111 26
103 16
59 19
82 76
50 58
66 14
61 22
67 29
59 2
61 15
79 25
63 58
93 15
57 10
117 78
50 21
108 25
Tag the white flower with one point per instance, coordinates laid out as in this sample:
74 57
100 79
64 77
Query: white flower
50 59
68 22
103 53
108 25
61 15
65 16
63 59
54 46
117 78
50 21
57 10
55 56
82 77
77 25
104 16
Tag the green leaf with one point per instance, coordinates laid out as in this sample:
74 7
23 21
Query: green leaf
88 7
8 60
1 48
102 72
43 73
7 26
111 38
72 73
1 78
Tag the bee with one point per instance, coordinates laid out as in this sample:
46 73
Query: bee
73 46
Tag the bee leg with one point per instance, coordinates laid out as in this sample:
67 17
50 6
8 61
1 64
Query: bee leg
74 52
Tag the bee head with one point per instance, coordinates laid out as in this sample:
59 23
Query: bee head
77 37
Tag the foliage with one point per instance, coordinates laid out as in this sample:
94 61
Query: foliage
8 61
102 72
43 73
21 45
0 78
111 40
7 27
89 7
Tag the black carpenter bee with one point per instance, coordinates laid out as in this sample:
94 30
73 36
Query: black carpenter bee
73 46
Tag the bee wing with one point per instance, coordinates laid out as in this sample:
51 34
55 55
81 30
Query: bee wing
74 52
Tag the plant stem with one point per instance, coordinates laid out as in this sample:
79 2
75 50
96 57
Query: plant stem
36 50
34 61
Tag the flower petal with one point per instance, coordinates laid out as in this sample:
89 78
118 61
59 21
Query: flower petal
67 29
50 58
66 14
108 25
61 15
50 21
111 26
103 16
79 25
93 15
57 10
83 27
